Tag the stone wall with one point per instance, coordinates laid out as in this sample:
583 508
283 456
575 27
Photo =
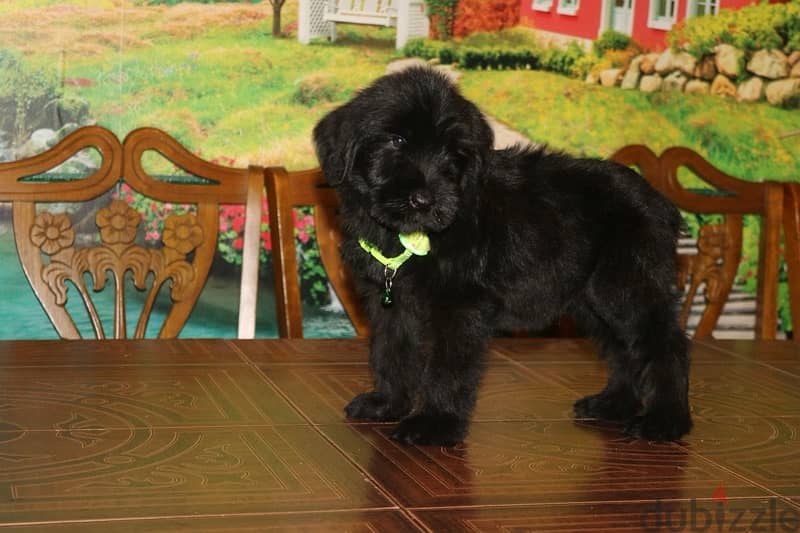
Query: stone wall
769 75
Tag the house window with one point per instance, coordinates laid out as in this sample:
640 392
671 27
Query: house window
662 14
698 8
567 7
542 5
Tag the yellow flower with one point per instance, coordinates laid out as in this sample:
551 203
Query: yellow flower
52 233
182 233
117 223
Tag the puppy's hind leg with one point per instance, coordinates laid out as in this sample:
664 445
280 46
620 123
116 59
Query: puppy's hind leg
662 359
651 359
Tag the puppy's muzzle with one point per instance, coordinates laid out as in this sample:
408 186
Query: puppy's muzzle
420 199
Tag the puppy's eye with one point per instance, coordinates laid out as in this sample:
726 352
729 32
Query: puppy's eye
397 141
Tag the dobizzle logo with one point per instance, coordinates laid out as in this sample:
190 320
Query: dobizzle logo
718 516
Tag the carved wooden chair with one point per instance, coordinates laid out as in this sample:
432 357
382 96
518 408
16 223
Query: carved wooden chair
56 254
285 191
719 245
791 230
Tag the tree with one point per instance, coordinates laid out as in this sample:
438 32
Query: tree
277 5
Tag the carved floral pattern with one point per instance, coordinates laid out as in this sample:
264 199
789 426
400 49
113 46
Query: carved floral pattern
182 233
52 232
118 223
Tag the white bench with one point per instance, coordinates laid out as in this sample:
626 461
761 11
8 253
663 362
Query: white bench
318 18
371 12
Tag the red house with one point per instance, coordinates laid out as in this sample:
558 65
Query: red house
647 21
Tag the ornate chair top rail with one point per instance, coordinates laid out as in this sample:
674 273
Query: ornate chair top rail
124 161
737 195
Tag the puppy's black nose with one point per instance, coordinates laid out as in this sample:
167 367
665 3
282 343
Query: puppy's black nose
420 199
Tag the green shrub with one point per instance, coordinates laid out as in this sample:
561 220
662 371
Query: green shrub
426 49
750 28
316 89
447 55
611 40
26 95
562 61
417 48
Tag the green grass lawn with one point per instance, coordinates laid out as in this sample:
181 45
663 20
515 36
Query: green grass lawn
741 139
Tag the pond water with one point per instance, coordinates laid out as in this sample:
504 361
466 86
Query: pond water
214 316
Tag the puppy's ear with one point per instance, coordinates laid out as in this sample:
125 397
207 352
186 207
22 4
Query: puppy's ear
337 143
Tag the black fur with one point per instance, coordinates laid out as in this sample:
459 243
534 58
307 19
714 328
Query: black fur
518 237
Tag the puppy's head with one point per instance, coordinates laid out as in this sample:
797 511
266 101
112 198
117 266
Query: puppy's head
409 149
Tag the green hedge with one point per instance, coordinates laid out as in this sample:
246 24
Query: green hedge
498 57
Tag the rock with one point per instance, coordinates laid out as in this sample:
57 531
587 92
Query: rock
697 87
771 64
793 58
784 93
670 61
648 65
705 69
686 63
674 82
728 60
609 77
650 83
722 86
751 90
795 72
631 78
591 79
43 139
666 62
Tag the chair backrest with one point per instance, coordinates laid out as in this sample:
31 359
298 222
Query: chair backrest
719 245
791 230
54 254
285 191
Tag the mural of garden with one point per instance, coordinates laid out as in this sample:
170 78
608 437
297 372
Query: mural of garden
214 76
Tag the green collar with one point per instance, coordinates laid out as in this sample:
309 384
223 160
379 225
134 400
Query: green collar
416 243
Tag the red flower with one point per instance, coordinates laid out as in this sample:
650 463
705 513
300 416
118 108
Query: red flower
237 223
238 243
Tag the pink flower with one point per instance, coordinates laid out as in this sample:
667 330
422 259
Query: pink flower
223 224
237 223
152 235
303 236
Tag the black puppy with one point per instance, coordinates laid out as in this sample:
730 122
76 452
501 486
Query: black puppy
517 237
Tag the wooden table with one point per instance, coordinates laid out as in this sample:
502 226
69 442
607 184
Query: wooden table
215 435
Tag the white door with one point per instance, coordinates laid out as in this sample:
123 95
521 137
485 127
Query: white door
621 12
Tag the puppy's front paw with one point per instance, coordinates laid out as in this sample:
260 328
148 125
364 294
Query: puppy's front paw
659 425
606 406
437 429
371 406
